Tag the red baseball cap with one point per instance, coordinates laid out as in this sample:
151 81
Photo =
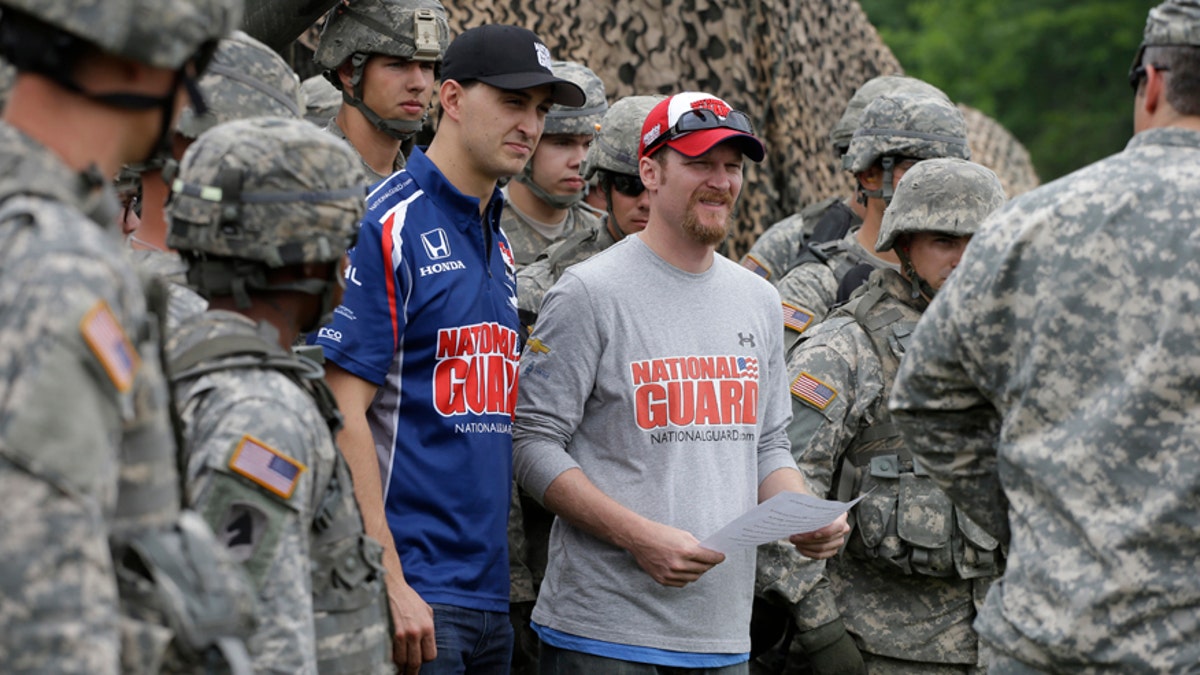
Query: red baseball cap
692 122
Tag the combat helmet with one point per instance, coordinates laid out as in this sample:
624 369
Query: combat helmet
566 120
615 147
416 30
260 194
321 100
245 79
905 126
1175 23
163 35
50 37
872 89
945 195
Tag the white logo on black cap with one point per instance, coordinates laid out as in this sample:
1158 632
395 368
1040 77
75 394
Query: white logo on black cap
543 55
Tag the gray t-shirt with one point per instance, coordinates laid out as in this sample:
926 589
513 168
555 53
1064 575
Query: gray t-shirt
668 390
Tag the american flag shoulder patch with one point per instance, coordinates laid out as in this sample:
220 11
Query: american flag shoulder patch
266 466
813 391
754 266
107 340
795 318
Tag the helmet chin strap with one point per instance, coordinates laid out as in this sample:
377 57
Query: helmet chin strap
400 130
886 191
557 201
919 285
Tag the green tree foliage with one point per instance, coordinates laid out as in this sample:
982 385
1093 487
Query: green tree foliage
1052 71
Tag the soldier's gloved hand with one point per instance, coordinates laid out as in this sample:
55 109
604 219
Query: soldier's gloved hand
831 650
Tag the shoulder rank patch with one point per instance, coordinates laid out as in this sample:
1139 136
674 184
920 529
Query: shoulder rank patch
537 346
813 391
103 333
754 266
795 318
266 466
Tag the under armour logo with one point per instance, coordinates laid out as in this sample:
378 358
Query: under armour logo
436 244
744 340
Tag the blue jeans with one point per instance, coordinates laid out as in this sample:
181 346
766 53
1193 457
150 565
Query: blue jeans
470 642
555 661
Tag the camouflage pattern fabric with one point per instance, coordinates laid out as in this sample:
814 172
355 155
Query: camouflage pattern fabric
1058 360
321 101
527 243
391 27
778 250
843 131
265 519
944 195
8 76
245 79
72 342
147 31
167 266
918 126
615 147
267 170
839 391
536 278
582 120
810 290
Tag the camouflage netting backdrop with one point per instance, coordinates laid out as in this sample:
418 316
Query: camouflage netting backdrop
790 64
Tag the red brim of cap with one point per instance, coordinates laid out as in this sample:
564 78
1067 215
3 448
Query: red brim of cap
697 143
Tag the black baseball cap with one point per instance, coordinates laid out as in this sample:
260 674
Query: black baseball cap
507 57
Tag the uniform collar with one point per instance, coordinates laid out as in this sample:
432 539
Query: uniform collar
29 168
462 208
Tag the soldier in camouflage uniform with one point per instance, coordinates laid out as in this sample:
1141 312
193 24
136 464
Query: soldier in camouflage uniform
93 572
1054 388
905 585
245 79
382 56
896 131
263 211
612 161
544 203
781 248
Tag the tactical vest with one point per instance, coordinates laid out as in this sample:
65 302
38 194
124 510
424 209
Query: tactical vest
349 598
904 522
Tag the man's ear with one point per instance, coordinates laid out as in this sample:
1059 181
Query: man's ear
651 171
1155 87
344 73
450 98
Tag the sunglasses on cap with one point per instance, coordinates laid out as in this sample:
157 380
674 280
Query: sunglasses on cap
1136 75
630 186
703 119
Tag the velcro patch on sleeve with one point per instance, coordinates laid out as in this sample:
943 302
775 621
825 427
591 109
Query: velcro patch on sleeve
754 266
813 391
107 340
266 466
795 318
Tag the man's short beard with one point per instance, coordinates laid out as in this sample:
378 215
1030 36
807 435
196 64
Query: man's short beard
708 235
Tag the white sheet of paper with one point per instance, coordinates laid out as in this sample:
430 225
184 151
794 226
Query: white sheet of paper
781 516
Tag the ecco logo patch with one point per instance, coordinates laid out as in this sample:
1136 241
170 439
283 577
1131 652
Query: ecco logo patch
329 334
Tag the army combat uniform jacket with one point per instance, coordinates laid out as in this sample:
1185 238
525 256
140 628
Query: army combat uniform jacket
263 470
906 583
87 462
1061 358
527 243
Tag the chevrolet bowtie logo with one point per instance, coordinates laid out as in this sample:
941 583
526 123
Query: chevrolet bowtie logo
536 346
